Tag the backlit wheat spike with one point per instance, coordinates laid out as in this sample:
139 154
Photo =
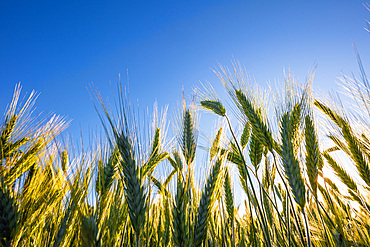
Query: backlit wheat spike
176 161
268 177
206 204
134 190
11 148
290 163
357 155
330 113
65 161
245 135
8 129
153 162
268 209
6 132
340 172
331 184
168 222
89 231
340 144
188 144
229 200
295 123
314 162
214 106
233 155
8 215
255 118
108 171
63 225
351 140
156 156
255 151
216 143
24 162
180 222
296 116
156 142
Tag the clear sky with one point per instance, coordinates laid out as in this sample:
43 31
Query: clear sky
59 47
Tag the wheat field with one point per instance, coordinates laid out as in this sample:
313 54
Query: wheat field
301 163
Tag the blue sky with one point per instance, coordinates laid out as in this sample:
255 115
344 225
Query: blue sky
59 48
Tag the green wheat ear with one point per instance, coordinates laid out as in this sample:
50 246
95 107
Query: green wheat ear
314 162
188 144
340 172
354 148
255 151
256 120
215 144
89 231
180 215
229 201
134 189
107 172
290 162
8 215
214 106
245 135
206 203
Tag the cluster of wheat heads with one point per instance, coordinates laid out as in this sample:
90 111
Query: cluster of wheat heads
51 195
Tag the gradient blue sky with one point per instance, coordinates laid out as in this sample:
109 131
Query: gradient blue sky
59 47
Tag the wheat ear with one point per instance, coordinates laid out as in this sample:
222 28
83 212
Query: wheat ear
255 118
134 190
290 163
206 203
341 173
314 162
8 215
